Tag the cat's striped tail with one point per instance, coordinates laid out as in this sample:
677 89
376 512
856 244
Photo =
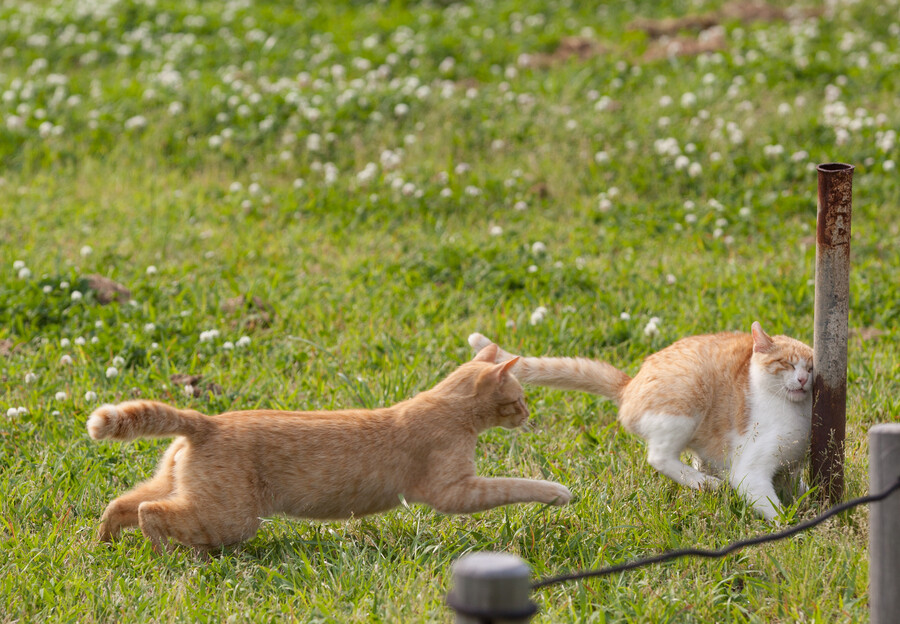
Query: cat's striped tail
564 373
145 419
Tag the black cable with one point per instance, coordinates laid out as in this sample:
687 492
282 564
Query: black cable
713 554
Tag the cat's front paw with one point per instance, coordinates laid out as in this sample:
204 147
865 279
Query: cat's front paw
559 494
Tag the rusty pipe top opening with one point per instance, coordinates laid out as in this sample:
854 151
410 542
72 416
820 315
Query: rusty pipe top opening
834 167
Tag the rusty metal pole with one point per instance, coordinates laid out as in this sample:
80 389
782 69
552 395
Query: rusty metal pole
832 310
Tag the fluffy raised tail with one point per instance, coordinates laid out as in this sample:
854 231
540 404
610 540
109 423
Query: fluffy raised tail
563 373
145 419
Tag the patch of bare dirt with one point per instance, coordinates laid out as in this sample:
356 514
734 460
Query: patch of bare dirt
252 312
106 290
711 40
195 385
7 347
580 48
742 10
868 333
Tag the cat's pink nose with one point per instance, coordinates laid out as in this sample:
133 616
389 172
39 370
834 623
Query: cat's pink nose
802 379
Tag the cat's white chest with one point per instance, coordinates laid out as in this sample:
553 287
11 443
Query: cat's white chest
777 433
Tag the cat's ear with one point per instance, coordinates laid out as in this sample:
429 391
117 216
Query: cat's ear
488 354
504 370
762 342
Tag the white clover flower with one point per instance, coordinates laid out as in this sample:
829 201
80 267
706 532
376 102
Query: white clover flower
80 341
681 162
30 378
888 165
149 327
670 279
152 270
94 340
368 173
652 327
242 342
76 295
472 191
209 335
298 183
12 412
24 273
625 316
665 101
18 264
532 268
228 345
495 230
65 342
65 359
601 157
90 396
111 372
695 169
688 99
538 315
254 188
520 206
447 65
138 121
538 248
401 109
60 396
86 250
189 390
118 361
391 159
47 288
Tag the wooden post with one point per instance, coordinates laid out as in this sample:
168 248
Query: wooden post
832 308
884 525
491 588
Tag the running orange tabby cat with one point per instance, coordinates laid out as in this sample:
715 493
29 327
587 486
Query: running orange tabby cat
740 402
224 473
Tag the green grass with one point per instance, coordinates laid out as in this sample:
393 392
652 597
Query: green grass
222 143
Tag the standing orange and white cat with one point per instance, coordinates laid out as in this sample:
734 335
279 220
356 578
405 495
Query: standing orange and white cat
740 402
225 473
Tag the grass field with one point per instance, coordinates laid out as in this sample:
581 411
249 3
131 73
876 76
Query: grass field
385 178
